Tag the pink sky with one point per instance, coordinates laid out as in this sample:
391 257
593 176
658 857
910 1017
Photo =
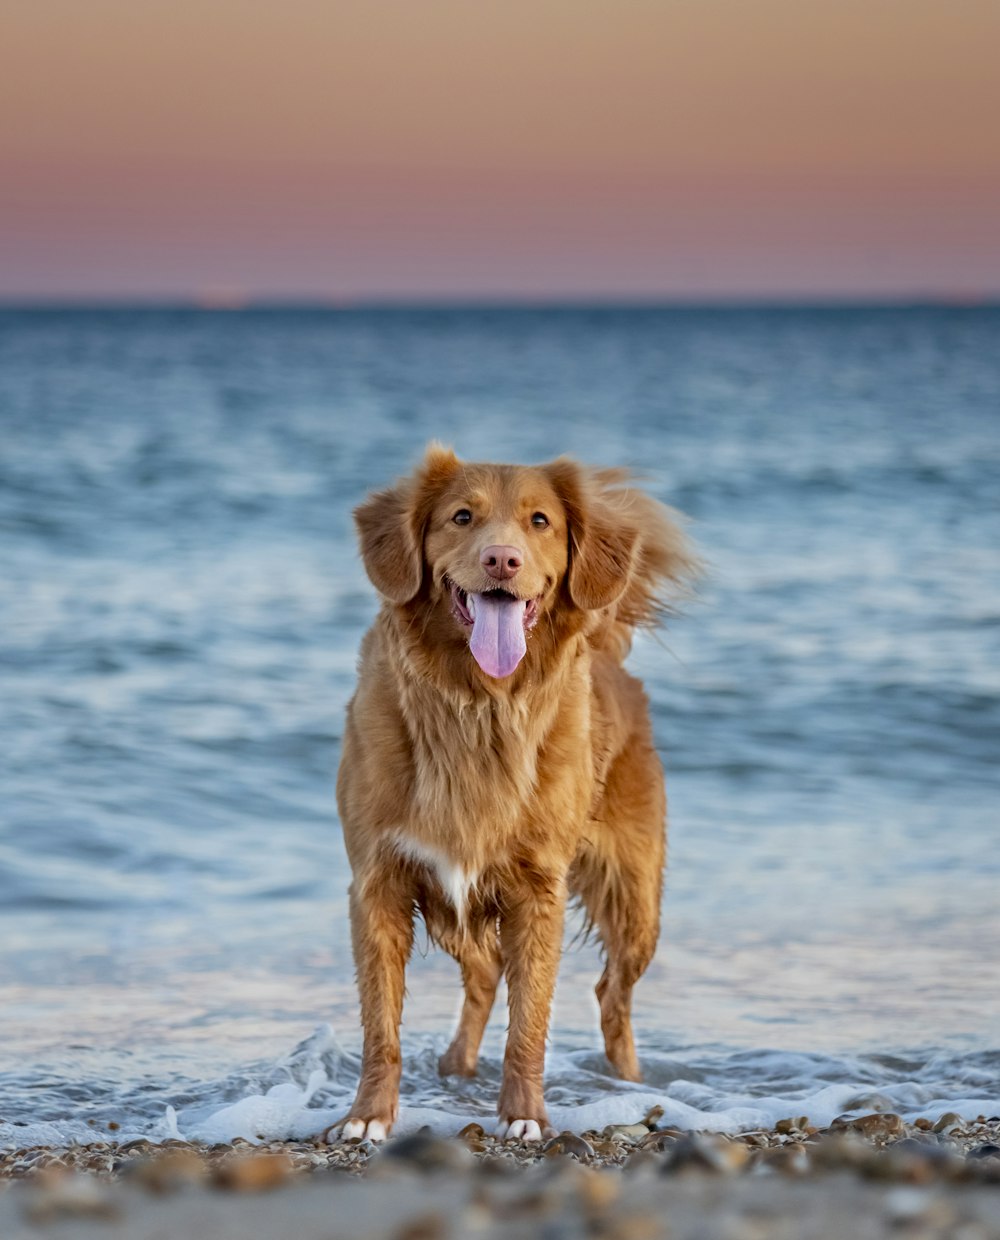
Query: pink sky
345 149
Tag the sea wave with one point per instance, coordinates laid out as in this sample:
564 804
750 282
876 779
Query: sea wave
305 1092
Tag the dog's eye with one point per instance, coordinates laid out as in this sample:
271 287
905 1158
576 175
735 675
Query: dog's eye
539 520
462 517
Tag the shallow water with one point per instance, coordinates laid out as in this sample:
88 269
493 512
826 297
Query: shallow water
179 618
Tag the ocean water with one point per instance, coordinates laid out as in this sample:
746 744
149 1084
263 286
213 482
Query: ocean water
180 608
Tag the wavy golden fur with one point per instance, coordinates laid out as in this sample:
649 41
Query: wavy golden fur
483 801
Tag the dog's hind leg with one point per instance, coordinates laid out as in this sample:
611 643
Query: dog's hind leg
479 960
618 876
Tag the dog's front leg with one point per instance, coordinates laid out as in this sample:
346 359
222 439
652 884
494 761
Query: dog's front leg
531 938
382 935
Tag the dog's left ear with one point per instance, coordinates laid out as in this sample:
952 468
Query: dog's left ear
391 526
602 547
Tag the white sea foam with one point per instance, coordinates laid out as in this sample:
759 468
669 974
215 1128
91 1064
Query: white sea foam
281 1110
312 1088
586 1099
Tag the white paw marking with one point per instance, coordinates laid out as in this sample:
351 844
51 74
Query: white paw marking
358 1130
519 1130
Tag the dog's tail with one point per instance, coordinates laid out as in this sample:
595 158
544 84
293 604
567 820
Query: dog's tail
662 568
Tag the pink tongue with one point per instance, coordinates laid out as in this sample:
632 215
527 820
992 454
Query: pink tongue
497 641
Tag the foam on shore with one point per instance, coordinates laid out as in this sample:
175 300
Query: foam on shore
310 1089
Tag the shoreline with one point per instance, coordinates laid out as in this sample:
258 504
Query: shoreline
868 1176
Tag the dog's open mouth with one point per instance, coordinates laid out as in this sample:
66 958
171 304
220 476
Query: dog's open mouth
499 621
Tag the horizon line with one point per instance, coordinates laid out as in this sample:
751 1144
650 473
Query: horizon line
233 303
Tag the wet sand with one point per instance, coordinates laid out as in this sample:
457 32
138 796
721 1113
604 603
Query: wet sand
871 1176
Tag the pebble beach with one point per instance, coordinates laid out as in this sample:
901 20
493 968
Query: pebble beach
872 1175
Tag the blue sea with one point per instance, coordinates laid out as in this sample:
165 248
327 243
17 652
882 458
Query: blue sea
181 604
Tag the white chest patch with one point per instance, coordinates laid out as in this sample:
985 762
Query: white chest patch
455 881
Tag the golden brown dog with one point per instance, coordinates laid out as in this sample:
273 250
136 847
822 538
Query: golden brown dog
498 758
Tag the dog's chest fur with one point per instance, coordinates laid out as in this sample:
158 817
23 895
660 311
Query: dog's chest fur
484 773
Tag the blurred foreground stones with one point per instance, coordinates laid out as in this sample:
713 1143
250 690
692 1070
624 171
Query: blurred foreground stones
863 1176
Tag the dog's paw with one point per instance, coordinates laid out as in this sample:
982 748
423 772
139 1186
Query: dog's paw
456 1063
520 1130
375 1130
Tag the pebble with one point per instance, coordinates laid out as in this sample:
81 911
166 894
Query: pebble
568 1143
879 1145
919 1162
640 1160
253 1173
841 1149
168 1171
653 1117
609 1150
70 1195
139 1144
559 1200
427 1227
788 1159
637 1227
878 1124
788 1126
870 1102
474 1137
661 1140
919 1146
598 1190
426 1152
704 1153
630 1133
906 1205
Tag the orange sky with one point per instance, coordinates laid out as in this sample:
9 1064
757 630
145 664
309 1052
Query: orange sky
372 148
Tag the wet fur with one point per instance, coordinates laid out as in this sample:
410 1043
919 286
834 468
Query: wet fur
534 788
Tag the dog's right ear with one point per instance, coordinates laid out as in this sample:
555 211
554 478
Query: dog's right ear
391 526
392 556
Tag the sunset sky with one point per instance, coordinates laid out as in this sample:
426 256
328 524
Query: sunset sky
353 149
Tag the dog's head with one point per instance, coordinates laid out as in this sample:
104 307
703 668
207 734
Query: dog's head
492 549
